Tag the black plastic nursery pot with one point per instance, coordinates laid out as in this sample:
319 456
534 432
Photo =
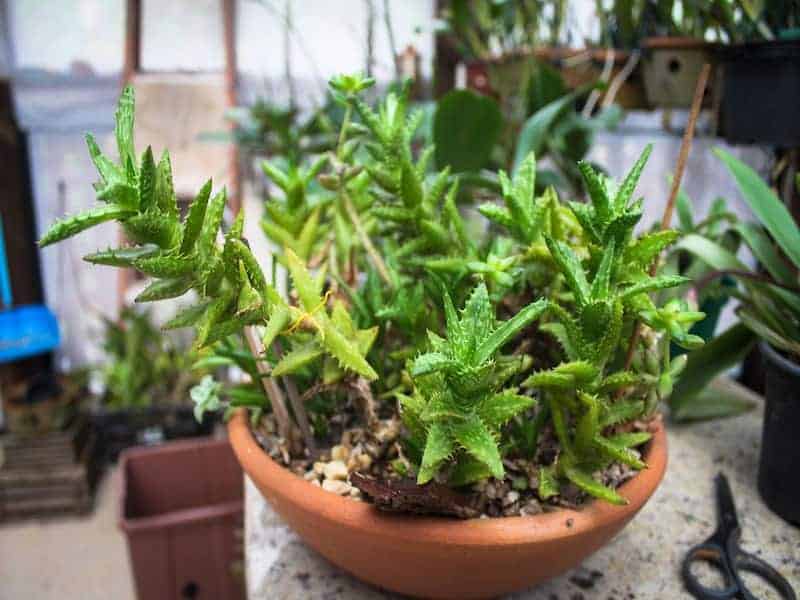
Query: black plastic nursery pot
778 482
760 93
120 429
671 67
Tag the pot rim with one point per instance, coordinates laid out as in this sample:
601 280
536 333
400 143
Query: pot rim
550 53
667 42
281 486
779 360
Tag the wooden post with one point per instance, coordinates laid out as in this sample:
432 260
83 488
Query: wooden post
133 40
132 62
229 35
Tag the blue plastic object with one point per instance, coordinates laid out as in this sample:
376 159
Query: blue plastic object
24 330
27 331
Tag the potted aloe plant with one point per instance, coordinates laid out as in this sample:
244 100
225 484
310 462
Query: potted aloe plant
418 361
769 311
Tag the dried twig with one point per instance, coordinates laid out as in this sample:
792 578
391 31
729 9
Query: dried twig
683 156
387 21
361 388
271 388
621 78
298 407
370 43
605 75
356 387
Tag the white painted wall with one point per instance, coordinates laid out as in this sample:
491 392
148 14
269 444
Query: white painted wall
54 35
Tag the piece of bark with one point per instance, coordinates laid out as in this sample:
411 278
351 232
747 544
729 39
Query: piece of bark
406 496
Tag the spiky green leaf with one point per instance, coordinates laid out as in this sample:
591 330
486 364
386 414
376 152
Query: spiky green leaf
65 228
474 436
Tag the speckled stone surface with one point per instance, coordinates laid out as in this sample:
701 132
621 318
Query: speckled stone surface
641 563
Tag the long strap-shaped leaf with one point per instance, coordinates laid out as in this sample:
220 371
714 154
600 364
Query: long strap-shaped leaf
766 206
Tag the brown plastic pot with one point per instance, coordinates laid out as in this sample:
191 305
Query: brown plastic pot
439 557
181 506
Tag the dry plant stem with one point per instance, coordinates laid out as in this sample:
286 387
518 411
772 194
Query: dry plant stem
300 413
686 146
594 97
271 388
621 78
372 252
683 157
298 407
370 44
387 21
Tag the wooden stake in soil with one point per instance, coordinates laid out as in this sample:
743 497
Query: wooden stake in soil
669 209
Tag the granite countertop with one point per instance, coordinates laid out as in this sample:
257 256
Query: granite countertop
643 562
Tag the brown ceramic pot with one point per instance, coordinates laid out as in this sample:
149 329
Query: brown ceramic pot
439 557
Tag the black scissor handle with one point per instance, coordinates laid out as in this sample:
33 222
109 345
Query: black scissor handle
715 554
744 561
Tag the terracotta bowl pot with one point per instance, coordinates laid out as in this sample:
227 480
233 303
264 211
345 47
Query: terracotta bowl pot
439 557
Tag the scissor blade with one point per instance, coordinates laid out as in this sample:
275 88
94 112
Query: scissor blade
725 504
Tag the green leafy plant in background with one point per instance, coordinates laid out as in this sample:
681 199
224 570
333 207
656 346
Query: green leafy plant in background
753 20
769 299
625 23
466 128
269 129
486 28
620 23
143 366
374 262
473 134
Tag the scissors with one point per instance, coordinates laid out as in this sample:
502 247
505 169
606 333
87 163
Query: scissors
722 550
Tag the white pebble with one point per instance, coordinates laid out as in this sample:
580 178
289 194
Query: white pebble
336 469
340 453
337 487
